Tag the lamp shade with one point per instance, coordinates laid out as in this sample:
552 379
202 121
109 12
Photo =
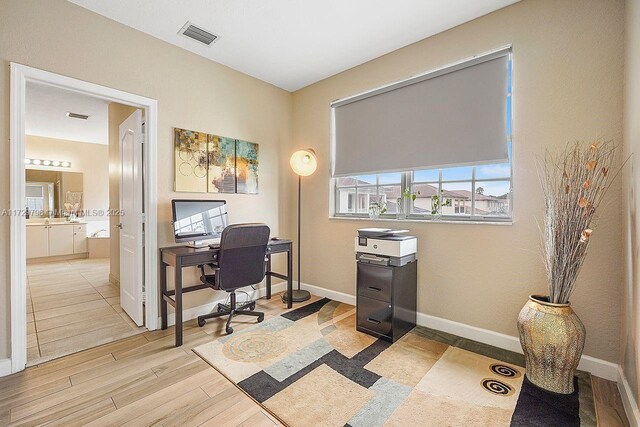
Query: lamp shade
304 162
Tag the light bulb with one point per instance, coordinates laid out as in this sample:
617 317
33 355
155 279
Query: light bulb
56 163
304 162
65 164
46 162
36 162
27 161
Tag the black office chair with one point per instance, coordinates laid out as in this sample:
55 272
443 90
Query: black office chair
240 263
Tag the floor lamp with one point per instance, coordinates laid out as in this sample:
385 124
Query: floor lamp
303 163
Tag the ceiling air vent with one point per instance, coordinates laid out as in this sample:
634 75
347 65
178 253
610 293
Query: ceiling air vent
77 116
198 34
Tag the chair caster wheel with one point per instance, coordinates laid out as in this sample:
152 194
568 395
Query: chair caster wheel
252 306
260 318
201 322
229 330
219 309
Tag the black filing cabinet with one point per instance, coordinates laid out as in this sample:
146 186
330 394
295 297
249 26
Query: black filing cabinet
386 299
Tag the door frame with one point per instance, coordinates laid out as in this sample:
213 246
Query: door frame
20 75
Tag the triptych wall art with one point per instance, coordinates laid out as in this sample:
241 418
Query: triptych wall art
206 163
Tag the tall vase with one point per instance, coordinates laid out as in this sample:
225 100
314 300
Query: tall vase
552 338
401 214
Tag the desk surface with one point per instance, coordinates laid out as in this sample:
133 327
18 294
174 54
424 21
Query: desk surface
185 250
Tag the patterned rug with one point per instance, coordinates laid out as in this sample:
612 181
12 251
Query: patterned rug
310 367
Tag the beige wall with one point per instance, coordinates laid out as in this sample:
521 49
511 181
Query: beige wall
118 113
192 93
630 350
567 77
567 85
88 159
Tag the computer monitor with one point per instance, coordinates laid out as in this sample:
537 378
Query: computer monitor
197 220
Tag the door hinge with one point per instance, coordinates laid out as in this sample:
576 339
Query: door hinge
143 218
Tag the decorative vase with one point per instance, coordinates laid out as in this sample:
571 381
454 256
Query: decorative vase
401 213
552 338
374 211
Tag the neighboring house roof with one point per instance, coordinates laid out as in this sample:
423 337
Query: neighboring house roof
352 181
428 190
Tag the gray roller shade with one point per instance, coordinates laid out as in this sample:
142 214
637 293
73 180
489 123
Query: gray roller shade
453 116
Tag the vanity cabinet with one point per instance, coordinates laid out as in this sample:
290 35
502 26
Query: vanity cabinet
37 241
79 239
56 240
60 240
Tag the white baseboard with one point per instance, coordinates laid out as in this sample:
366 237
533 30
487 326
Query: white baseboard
597 367
114 280
628 399
193 312
327 293
5 367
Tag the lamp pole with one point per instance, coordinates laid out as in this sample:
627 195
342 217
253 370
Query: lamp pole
299 216
303 163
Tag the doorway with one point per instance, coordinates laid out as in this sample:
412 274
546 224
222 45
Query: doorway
69 296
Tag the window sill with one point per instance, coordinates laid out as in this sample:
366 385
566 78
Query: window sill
423 221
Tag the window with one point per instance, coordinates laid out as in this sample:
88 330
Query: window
355 194
476 193
468 193
35 201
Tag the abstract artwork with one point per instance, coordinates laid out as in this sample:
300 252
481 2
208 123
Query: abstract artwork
221 177
246 167
191 160
214 164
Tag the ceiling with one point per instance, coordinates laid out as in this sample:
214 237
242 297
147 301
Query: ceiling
294 43
46 108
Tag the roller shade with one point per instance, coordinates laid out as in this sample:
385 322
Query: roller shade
453 116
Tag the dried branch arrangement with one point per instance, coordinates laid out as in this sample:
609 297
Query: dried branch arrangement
574 184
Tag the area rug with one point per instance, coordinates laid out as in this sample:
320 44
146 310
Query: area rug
310 367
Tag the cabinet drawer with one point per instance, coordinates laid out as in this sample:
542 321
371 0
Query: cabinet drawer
374 315
375 281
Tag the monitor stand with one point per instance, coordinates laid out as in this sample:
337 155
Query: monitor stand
198 245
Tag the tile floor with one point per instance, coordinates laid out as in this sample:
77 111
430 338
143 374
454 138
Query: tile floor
72 306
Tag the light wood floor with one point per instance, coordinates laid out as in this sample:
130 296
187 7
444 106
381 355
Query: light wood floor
144 380
71 306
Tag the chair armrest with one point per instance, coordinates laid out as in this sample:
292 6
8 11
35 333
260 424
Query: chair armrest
211 279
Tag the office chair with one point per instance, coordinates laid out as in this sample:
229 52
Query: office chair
240 263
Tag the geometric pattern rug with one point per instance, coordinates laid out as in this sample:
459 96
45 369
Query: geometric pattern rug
310 367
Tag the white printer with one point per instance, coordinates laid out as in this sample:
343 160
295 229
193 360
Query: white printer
384 246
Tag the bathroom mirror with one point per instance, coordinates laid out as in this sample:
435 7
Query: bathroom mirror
53 194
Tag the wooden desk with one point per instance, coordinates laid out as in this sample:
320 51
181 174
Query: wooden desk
180 257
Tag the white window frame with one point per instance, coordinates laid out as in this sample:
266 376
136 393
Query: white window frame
356 214
408 183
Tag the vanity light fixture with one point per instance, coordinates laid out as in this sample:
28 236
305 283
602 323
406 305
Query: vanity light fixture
50 163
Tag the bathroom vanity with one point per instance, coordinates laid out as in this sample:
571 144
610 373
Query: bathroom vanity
56 238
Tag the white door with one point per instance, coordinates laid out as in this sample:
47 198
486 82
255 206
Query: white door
131 219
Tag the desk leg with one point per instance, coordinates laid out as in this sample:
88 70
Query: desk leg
290 277
163 290
178 299
268 276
